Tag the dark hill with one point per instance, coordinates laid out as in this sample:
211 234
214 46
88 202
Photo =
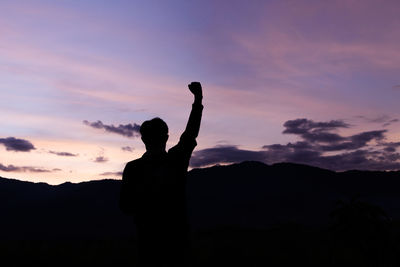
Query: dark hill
250 194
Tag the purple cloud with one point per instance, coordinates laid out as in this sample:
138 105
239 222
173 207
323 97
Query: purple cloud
385 120
15 144
12 168
100 159
127 148
224 154
346 152
64 154
111 174
127 130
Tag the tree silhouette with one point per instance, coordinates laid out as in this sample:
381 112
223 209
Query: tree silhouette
359 232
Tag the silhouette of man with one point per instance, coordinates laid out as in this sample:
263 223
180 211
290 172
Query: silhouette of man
153 189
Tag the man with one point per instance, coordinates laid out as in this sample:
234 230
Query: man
153 189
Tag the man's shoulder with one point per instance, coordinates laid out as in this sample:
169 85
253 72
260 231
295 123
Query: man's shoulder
134 163
132 168
185 145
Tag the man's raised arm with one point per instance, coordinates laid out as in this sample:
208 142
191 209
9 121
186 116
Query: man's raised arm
193 124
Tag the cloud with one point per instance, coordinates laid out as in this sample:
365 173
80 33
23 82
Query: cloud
362 139
293 152
360 159
127 130
385 120
390 147
320 135
111 174
315 131
15 144
365 150
224 154
12 168
100 159
127 148
390 122
64 154
355 141
300 126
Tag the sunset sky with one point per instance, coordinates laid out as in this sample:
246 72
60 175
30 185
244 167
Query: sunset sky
314 82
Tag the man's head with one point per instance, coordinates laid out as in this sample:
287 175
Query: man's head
154 134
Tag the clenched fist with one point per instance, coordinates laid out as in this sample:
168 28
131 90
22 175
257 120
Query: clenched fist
195 88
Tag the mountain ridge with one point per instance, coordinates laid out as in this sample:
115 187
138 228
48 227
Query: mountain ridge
243 163
249 194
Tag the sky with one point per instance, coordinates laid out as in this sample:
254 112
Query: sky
311 82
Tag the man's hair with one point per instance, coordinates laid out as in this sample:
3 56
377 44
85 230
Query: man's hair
154 129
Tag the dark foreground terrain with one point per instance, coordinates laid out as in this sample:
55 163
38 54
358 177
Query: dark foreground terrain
247 214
